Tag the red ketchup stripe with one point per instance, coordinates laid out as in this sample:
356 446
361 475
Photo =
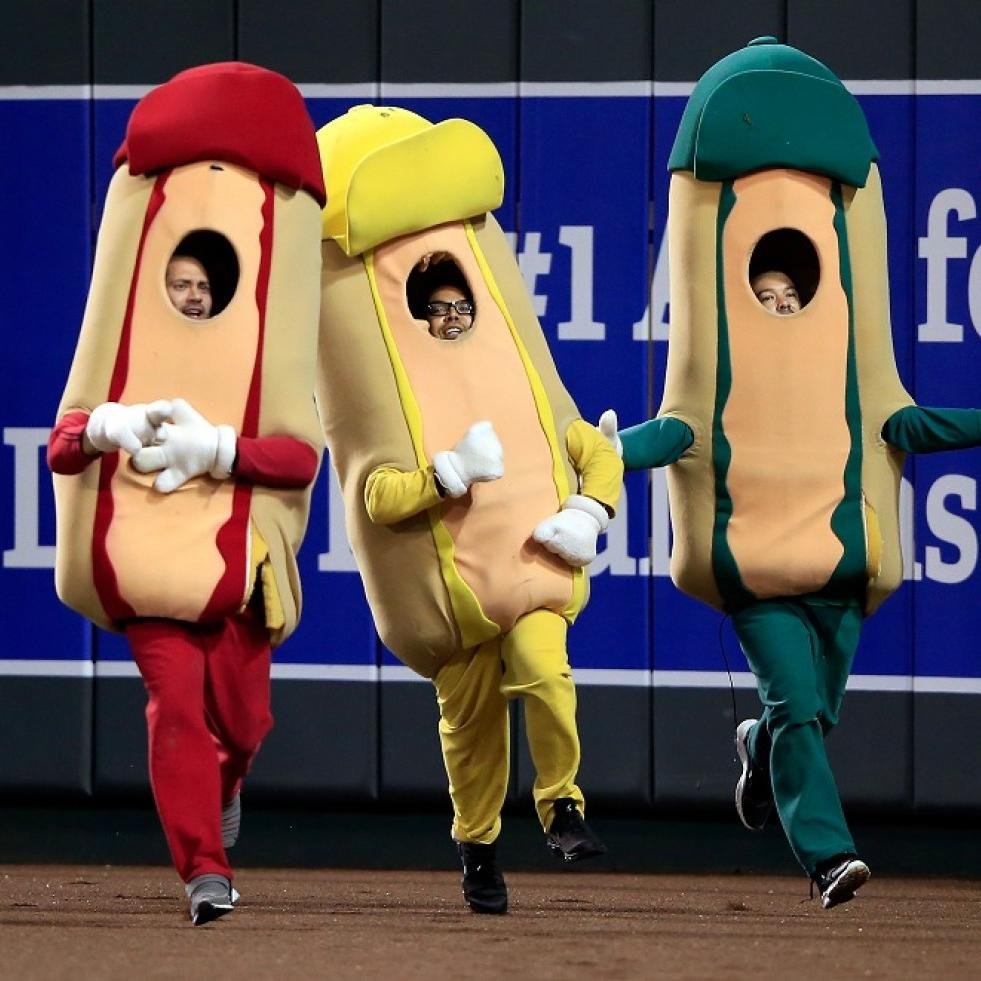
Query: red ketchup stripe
104 575
231 538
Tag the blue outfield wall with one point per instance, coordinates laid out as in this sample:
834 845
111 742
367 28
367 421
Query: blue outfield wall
586 207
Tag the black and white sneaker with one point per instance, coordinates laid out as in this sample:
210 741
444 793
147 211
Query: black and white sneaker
569 837
754 795
484 888
841 878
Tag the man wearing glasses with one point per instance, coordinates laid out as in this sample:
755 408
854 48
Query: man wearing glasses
449 313
438 293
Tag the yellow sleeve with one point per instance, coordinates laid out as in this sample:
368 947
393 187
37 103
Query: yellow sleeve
392 495
600 469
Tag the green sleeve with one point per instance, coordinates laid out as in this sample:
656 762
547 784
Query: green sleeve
916 429
655 443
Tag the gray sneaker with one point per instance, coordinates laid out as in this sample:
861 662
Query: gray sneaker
210 896
231 821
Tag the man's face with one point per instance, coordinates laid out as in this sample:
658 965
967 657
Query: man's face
445 321
776 291
188 288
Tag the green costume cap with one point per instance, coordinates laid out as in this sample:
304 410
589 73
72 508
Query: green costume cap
770 105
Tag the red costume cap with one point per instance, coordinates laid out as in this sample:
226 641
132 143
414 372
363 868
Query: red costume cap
230 111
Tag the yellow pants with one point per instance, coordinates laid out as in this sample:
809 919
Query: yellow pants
473 690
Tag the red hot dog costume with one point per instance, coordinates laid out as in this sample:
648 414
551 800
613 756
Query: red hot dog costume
195 559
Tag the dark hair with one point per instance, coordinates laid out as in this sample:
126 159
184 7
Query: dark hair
420 286
791 252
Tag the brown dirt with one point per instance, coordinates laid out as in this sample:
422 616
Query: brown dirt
109 922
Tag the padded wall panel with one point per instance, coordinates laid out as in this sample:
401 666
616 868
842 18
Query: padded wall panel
44 43
147 42
695 760
590 40
693 748
947 33
689 39
870 751
324 744
433 41
119 739
838 33
328 42
946 758
411 765
45 736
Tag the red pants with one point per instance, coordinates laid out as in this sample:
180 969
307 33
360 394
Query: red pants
207 713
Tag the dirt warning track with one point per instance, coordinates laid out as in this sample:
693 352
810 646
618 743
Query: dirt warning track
111 922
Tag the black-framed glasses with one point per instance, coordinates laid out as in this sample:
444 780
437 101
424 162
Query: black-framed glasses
440 308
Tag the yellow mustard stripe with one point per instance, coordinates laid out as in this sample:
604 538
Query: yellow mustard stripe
873 539
474 626
410 406
273 606
543 407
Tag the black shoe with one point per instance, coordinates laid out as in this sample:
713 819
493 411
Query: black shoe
210 896
754 795
841 877
484 888
569 837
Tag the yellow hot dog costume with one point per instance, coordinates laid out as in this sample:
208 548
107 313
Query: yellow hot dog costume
455 586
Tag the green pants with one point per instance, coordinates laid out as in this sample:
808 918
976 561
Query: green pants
801 651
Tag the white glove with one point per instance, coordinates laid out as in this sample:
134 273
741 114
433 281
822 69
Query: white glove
187 447
113 426
572 533
478 456
608 428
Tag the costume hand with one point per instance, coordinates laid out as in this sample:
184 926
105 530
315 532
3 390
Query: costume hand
608 428
479 456
571 534
431 259
187 447
113 426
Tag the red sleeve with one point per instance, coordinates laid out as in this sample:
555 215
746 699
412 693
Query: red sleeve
275 461
65 453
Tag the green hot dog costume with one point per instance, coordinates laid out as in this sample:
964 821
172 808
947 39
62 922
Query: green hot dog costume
785 435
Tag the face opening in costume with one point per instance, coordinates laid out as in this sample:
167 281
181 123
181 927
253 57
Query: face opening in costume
438 293
202 275
784 271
